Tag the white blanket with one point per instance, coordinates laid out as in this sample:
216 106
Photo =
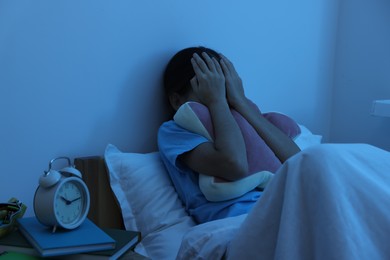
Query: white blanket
330 201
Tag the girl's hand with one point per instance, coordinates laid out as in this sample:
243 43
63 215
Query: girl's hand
209 81
234 88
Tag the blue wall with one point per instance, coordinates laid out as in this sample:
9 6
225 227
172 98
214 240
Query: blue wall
77 75
362 72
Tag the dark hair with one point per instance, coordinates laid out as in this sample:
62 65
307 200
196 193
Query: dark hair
179 71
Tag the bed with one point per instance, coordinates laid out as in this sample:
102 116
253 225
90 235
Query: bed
306 216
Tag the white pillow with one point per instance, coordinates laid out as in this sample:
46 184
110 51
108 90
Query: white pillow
148 201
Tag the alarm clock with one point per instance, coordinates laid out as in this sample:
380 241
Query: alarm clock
62 198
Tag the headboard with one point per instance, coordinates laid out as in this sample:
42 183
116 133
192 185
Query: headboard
104 209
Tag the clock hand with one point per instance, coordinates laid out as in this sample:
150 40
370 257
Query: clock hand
67 202
75 199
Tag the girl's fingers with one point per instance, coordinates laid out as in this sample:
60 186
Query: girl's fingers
199 61
205 66
217 66
226 59
225 68
209 61
229 65
196 67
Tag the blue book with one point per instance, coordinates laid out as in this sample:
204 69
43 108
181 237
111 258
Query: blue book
86 238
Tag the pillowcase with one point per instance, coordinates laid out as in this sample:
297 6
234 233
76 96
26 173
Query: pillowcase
195 117
148 201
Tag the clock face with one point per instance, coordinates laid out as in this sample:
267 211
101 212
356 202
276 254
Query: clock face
69 202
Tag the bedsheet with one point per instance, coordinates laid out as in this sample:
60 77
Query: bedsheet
209 240
330 201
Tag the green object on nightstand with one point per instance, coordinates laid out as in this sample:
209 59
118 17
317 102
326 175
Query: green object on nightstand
9 212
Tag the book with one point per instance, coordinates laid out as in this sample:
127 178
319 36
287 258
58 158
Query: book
86 238
16 242
125 240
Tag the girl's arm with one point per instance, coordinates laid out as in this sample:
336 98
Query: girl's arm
226 156
282 145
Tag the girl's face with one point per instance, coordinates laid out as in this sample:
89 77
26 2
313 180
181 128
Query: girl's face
177 99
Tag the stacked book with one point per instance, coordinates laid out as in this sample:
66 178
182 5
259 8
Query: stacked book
34 239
